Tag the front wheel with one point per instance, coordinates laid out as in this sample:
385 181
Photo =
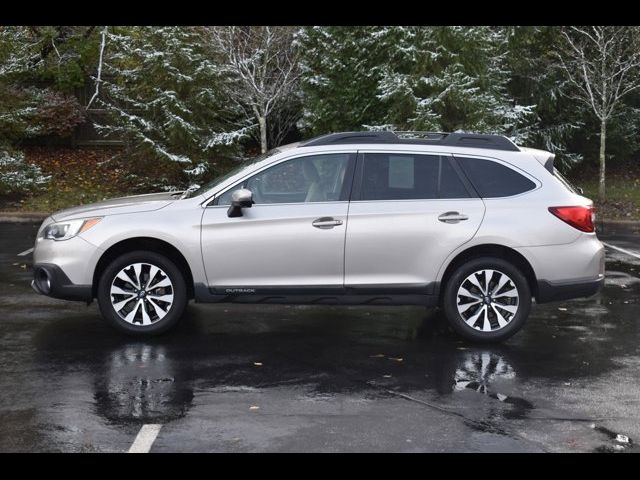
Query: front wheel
142 293
487 300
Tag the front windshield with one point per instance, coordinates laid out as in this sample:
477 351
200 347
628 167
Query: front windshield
221 178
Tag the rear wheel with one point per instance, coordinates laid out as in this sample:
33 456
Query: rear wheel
142 293
487 300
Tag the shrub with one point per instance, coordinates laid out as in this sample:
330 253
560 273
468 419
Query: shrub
18 177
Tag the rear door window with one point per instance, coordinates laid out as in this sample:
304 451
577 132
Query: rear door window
492 179
392 176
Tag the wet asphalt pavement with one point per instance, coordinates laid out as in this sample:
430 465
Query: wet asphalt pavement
234 378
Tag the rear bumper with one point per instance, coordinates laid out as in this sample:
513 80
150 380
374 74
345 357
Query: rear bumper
553 292
50 280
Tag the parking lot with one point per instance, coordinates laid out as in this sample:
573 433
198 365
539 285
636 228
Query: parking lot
235 378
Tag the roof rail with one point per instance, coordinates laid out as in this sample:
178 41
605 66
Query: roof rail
473 140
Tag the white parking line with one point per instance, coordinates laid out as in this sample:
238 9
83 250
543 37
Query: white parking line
628 252
26 252
146 436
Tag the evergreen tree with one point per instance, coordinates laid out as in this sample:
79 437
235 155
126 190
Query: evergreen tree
165 97
559 123
410 78
40 70
342 68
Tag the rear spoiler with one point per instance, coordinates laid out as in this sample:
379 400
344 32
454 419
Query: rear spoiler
545 158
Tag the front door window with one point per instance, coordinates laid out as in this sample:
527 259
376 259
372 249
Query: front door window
315 178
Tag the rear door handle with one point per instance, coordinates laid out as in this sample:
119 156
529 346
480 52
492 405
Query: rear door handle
326 222
452 217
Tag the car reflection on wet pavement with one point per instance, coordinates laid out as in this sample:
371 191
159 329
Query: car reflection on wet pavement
234 378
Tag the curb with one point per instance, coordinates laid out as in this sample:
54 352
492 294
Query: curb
22 217
621 221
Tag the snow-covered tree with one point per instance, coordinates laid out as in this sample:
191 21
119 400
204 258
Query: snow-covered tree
602 66
450 79
260 64
341 71
411 78
53 56
164 96
39 69
557 125
457 77
17 176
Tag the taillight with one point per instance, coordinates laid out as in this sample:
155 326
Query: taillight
581 218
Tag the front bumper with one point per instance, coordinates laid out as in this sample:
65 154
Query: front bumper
68 265
553 292
50 280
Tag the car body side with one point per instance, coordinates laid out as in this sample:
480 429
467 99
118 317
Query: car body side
520 225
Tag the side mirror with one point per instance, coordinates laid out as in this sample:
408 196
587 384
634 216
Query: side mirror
241 198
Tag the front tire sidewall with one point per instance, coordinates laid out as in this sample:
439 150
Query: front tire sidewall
179 288
450 300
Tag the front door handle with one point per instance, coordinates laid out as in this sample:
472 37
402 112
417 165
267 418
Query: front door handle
326 222
452 217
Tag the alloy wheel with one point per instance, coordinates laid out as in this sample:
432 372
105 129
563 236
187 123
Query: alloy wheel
487 300
141 294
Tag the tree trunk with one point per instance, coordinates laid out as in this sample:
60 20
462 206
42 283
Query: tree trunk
262 121
603 140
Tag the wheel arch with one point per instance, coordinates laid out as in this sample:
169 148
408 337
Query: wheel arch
147 244
490 250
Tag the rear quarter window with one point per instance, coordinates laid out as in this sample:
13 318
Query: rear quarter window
492 179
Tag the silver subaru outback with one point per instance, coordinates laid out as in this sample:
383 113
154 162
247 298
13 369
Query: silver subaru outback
471 223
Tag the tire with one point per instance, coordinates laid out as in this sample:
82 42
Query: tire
506 313
153 312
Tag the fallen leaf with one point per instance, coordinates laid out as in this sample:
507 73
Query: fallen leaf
622 438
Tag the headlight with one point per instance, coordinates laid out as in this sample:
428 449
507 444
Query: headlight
69 229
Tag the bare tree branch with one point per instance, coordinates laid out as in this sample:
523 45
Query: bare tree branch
261 64
99 75
601 65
